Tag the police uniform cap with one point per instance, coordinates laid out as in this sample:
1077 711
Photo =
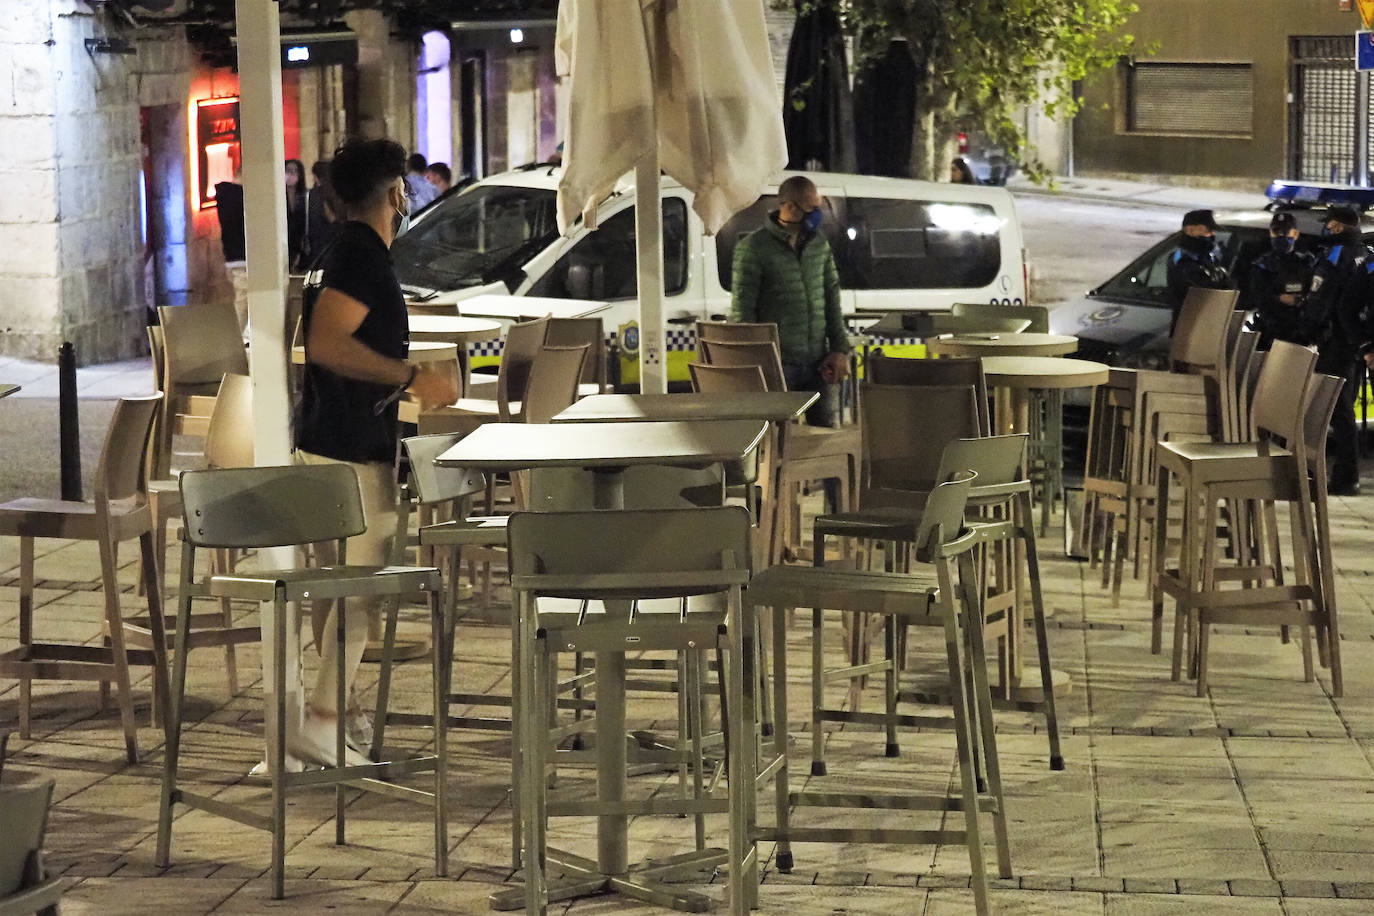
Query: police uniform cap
1344 215
1283 222
1200 218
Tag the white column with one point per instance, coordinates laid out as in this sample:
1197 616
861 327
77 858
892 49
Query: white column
264 206
653 357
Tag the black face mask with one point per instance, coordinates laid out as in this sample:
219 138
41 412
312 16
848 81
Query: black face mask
1199 244
1281 244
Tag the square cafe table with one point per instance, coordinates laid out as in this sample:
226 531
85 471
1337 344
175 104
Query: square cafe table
606 449
777 408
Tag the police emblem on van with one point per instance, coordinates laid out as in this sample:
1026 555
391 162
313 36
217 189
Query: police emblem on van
1108 314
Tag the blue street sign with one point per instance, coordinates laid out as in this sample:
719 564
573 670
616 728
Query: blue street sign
1364 50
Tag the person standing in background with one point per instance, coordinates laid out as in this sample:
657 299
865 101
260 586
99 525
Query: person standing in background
421 191
229 211
295 212
1278 283
321 215
785 273
439 175
1195 262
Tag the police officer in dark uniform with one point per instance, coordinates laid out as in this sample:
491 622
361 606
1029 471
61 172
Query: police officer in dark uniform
1278 283
1195 262
1331 314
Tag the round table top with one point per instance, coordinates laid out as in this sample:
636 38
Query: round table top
421 352
1043 372
452 329
1023 344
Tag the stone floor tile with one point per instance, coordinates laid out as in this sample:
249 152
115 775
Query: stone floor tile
1183 905
1325 865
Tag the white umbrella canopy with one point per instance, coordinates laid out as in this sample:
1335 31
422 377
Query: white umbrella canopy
682 85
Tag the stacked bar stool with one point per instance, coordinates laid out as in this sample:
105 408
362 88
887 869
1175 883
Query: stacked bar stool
1262 472
948 599
630 560
255 508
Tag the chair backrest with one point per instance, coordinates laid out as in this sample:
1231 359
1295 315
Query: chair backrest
739 332
1038 315
523 342
157 348
552 385
1322 394
1238 374
122 470
897 370
1281 391
906 430
729 379
575 332
745 353
202 343
24 814
435 484
997 460
229 437
942 518
630 553
1200 337
271 506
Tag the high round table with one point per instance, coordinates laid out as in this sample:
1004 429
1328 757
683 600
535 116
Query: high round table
1012 378
1002 345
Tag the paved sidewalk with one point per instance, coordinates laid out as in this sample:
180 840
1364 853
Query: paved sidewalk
1257 799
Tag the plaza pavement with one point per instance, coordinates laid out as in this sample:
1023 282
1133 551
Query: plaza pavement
1257 799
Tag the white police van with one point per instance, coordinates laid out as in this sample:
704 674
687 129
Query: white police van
898 244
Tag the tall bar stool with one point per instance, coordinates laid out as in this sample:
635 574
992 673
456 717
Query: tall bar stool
632 560
1001 493
1264 472
255 508
946 598
119 512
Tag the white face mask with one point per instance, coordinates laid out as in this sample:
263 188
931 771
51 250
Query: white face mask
401 222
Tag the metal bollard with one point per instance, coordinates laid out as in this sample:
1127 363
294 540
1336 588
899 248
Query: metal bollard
69 425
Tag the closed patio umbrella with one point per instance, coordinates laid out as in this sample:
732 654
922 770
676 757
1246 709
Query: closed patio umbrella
685 86
818 110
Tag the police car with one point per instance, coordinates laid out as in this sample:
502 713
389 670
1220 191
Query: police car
1125 321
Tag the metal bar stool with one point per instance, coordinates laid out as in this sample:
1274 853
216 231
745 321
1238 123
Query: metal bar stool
630 560
944 542
246 508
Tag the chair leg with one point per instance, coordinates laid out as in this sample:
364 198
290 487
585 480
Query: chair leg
172 722
442 642
115 625
226 608
276 752
782 860
26 633
157 625
817 670
964 740
1041 632
531 753
983 701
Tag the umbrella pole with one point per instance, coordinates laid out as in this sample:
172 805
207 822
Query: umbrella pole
653 366
259 58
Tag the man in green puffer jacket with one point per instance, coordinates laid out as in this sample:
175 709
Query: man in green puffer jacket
785 273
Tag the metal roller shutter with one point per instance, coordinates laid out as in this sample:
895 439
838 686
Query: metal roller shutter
1191 99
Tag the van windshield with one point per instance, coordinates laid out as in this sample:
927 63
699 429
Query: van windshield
483 235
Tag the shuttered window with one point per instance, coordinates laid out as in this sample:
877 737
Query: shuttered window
1215 99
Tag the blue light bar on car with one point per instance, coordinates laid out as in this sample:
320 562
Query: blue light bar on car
1302 194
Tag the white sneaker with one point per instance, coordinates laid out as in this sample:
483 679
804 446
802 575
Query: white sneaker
314 742
357 726
293 765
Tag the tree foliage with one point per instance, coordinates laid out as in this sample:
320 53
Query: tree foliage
981 62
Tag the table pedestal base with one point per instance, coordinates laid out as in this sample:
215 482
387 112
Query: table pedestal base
641 882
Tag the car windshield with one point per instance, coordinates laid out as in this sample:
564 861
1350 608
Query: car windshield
482 235
1145 281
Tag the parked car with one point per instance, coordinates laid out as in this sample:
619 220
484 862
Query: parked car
1125 321
899 244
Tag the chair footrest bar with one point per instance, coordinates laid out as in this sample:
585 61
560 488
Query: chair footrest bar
335 775
860 835
652 806
831 675
880 718
986 803
222 809
391 790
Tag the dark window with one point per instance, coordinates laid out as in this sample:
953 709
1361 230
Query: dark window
918 244
1209 99
747 220
602 264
